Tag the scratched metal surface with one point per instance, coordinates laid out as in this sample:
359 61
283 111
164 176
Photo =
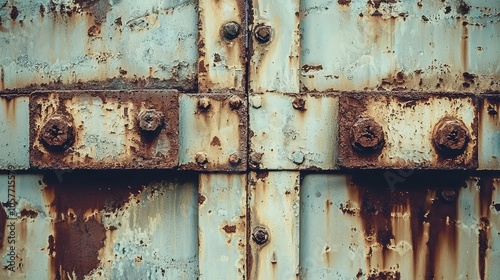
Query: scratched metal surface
100 225
426 226
98 43
447 45
14 132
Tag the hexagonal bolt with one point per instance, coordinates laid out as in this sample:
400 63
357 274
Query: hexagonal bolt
449 194
256 102
234 159
260 235
298 157
299 103
204 104
58 133
367 135
201 158
235 102
450 137
255 159
263 33
150 120
231 30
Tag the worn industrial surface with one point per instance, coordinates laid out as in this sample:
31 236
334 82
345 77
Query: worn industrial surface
104 129
266 115
98 43
407 131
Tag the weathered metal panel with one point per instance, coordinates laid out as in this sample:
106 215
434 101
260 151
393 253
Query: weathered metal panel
424 226
14 127
213 132
407 131
222 228
293 132
104 129
489 133
414 45
100 43
274 204
221 45
274 46
99 225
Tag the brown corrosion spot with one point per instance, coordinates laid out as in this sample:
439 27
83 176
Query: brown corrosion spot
14 13
201 199
94 31
384 275
367 135
450 136
29 213
344 2
42 10
463 8
215 141
57 134
229 229
484 225
306 68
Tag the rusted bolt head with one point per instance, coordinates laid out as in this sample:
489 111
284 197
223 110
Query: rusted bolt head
204 103
150 120
299 103
449 194
255 159
263 33
235 102
367 135
230 30
298 157
234 159
260 235
201 158
450 136
58 133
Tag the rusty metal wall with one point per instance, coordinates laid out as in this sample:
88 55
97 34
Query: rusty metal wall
260 120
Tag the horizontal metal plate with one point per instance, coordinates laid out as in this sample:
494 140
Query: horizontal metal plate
293 132
213 132
14 140
408 130
489 132
104 129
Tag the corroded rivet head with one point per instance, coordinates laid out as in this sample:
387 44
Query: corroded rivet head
367 135
450 136
299 103
235 102
255 159
231 30
58 133
298 157
260 235
262 33
234 159
201 158
150 120
204 103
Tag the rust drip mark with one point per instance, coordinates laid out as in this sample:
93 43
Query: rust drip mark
77 239
215 141
380 204
3 225
42 10
465 49
486 200
201 199
229 229
2 75
306 68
